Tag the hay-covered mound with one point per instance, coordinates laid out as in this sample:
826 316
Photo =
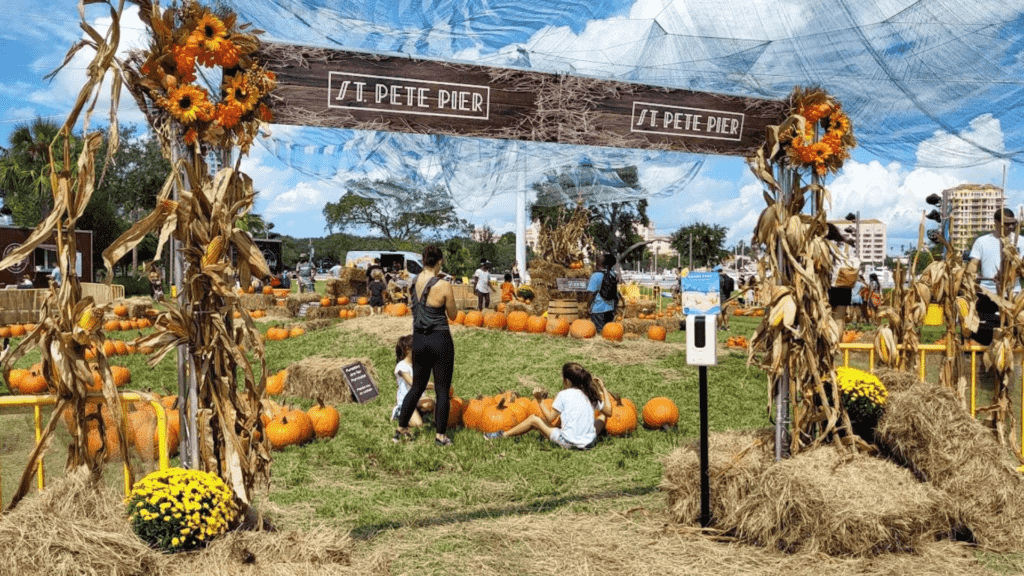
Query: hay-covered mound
257 301
735 460
896 380
78 527
823 501
320 377
295 301
73 527
817 502
927 428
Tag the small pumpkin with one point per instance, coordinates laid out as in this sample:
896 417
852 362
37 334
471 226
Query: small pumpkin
325 419
623 419
660 412
656 332
496 321
582 329
283 431
517 321
558 327
474 318
500 416
296 331
342 300
268 289
276 382
612 331
460 317
325 302
18 330
363 301
121 310
536 324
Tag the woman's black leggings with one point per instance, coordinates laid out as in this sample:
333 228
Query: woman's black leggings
434 352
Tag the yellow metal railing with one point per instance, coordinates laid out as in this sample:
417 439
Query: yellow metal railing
37 402
923 350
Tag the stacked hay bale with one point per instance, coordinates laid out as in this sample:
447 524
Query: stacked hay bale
294 302
818 502
926 428
544 277
257 301
351 283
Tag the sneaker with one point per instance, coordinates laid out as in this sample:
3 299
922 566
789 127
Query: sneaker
446 442
494 435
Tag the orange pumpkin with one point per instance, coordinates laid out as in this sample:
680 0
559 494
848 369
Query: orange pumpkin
34 382
656 332
517 321
558 327
660 412
325 419
325 302
125 325
284 431
342 300
460 317
474 318
296 331
276 382
582 328
399 309
455 412
304 421
536 324
121 375
363 301
18 330
496 321
121 310
120 348
612 331
623 419
5 331
109 349
268 289
473 410
500 416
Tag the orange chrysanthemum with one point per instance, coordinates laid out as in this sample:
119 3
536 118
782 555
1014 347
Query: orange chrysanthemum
185 62
191 136
188 104
227 55
228 114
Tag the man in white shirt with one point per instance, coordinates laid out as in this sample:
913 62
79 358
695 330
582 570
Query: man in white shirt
482 284
336 270
985 260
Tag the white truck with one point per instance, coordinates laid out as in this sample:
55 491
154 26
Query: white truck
409 261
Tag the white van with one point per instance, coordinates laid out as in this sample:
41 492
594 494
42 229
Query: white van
410 261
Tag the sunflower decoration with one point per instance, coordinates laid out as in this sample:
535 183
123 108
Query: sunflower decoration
189 42
822 141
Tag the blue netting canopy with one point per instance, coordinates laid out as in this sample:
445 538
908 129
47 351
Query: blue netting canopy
929 83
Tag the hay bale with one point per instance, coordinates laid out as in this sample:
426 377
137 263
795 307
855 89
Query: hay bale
826 502
896 380
927 429
636 326
314 325
74 527
320 377
257 301
735 460
322 547
137 306
316 312
279 312
363 310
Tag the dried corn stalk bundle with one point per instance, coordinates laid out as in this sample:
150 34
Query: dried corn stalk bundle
798 339
69 323
563 239
203 220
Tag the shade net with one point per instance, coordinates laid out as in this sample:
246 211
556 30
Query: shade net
928 83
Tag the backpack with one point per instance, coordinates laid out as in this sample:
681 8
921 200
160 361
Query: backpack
609 290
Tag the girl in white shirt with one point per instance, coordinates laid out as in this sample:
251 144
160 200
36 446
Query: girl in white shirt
581 395
403 378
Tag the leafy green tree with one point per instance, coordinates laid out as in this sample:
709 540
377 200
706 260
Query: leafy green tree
708 243
25 170
399 212
612 225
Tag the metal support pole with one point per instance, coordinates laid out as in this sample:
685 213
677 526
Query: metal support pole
705 473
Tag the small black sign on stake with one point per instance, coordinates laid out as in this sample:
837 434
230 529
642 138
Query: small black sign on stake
359 382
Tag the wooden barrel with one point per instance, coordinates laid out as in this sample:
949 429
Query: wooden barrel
566 309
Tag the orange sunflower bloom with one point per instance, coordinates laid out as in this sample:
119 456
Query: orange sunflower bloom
242 92
209 36
188 104
839 123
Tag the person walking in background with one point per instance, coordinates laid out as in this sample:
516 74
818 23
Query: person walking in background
336 270
55 276
986 257
304 273
433 351
376 291
603 293
156 281
726 285
482 285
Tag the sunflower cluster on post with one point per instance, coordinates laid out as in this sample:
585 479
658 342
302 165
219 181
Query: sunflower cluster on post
203 219
798 339
68 323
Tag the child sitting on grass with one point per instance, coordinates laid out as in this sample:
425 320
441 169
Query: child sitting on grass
403 378
581 394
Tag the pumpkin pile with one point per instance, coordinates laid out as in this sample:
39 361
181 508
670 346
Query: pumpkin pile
853 335
33 381
737 342
288 426
140 427
16 330
282 333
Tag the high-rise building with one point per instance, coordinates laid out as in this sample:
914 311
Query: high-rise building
869 240
971 209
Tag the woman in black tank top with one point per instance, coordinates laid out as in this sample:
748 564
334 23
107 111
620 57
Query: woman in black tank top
433 351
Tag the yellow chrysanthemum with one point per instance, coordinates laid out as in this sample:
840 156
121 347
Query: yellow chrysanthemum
239 90
188 104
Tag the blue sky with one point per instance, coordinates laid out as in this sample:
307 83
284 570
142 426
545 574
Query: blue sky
723 192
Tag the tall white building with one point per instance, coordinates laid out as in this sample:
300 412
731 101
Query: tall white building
971 208
870 240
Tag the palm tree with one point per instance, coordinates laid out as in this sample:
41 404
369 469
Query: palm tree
25 170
